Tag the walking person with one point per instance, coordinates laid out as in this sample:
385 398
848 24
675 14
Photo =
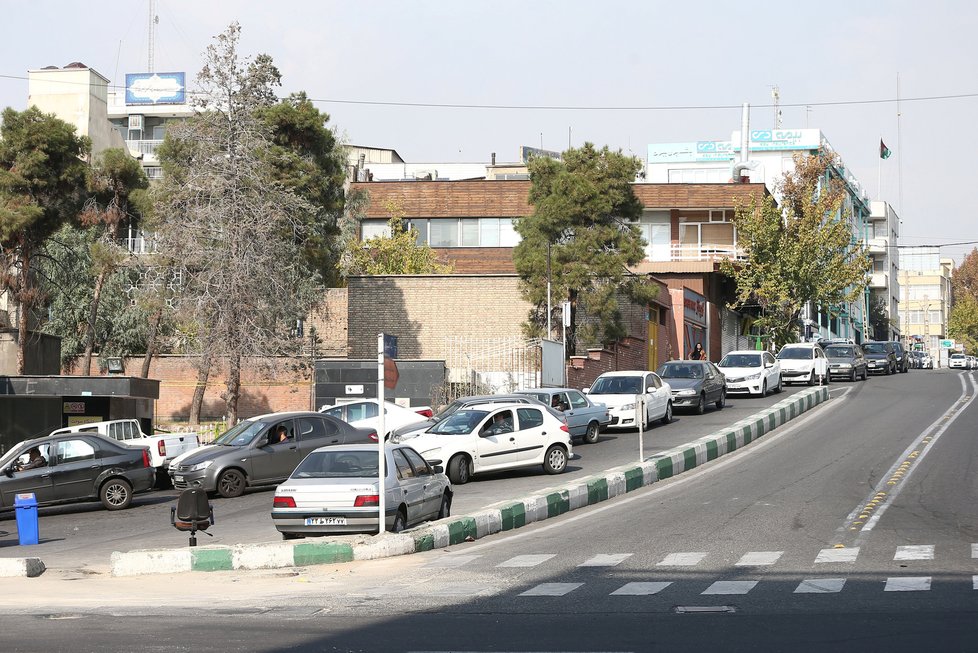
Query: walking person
697 354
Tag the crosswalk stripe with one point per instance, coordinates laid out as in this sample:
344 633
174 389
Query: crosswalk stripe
759 558
730 587
531 560
551 589
820 586
452 561
605 560
974 582
907 584
682 560
974 550
837 555
915 552
645 589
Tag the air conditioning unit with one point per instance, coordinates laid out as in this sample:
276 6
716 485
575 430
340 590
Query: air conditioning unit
136 122
426 175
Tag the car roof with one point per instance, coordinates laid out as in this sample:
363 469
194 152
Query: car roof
804 345
626 373
740 352
550 390
284 415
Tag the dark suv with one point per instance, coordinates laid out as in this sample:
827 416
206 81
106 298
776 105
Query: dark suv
903 361
881 357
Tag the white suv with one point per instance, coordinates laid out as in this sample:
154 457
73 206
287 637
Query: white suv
803 362
958 360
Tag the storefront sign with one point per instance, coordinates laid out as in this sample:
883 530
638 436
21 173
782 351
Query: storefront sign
73 408
156 88
694 307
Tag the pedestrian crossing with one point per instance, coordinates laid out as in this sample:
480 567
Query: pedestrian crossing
838 559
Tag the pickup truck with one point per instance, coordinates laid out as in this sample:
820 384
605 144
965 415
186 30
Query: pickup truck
162 448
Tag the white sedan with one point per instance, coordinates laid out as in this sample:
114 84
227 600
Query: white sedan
494 437
364 413
751 372
618 391
334 490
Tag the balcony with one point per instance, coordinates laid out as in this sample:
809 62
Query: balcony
145 149
876 246
705 252
141 245
879 280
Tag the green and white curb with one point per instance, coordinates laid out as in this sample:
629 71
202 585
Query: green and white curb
498 517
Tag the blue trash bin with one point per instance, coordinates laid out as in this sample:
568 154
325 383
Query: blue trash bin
25 505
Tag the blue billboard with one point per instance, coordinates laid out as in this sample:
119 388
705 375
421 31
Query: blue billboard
156 88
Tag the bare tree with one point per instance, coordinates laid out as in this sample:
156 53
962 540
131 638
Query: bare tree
237 233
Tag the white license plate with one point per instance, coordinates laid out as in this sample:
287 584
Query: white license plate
178 479
325 521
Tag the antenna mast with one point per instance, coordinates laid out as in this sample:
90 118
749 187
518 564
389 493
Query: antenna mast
153 22
776 94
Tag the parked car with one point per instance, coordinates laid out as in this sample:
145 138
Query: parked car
405 433
926 361
75 467
751 372
585 418
335 490
253 451
803 362
902 360
959 361
847 361
365 413
617 391
694 384
880 357
496 437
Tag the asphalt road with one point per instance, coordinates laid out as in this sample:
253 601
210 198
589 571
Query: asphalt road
85 535
852 528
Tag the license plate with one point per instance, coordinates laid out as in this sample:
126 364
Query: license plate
325 521
178 479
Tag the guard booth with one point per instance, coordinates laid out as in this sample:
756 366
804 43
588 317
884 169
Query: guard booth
33 406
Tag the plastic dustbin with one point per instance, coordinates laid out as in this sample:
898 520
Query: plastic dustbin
25 506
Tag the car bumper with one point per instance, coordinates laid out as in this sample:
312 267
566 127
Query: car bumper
795 375
143 479
622 419
192 480
679 401
744 387
293 521
877 367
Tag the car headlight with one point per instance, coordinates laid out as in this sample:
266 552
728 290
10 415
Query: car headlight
199 467
686 393
395 439
845 365
627 407
752 377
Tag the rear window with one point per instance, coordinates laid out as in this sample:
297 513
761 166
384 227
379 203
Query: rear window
839 352
796 353
338 464
875 348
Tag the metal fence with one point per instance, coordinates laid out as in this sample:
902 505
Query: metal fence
476 366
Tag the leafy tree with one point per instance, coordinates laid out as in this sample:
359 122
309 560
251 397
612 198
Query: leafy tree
583 207
964 283
962 323
239 233
42 185
397 253
799 252
879 318
119 184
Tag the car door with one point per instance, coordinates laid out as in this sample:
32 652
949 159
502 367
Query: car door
430 487
36 481
582 410
272 460
772 369
314 432
531 435
656 396
496 445
410 490
77 463
713 382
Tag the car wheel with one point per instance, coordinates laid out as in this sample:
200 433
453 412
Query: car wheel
231 484
291 536
778 388
764 388
592 433
701 404
905 369
825 378
555 460
458 470
400 521
722 401
446 506
667 417
811 378
865 374
116 494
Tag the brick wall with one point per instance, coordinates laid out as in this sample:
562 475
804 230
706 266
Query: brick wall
330 323
629 354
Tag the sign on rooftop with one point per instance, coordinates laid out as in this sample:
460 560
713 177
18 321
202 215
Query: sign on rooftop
156 88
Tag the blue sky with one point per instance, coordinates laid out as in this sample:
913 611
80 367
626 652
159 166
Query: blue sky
580 54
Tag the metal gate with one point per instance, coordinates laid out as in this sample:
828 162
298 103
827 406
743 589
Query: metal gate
480 366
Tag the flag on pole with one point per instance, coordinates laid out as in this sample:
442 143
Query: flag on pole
884 150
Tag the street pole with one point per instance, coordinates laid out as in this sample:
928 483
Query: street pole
640 418
381 461
549 309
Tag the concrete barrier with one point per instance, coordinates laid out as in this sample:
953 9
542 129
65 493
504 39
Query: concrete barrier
29 567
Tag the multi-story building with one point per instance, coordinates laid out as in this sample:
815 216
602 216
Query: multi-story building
884 285
925 282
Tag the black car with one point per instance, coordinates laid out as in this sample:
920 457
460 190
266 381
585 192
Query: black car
903 360
75 467
694 384
881 357
847 361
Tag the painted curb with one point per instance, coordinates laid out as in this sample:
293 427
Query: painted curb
29 567
498 517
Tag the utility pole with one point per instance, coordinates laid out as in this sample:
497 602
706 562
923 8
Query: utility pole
153 22
776 95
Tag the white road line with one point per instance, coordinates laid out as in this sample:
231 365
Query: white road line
907 584
451 561
820 586
551 589
527 560
730 587
837 555
974 550
605 560
645 589
915 552
974 582
682 560
759 558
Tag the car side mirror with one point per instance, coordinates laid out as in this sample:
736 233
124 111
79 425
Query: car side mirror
9 471
438 469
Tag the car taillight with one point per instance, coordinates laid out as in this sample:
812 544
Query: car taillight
366 500
427 412
563 427
145 457
373 436
283 502
161 447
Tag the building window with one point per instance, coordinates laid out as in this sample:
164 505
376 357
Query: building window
444 233
470 232
452 232
699 175
373 229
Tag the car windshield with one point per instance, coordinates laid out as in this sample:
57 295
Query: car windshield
617 385
459 423
959 356
836 351
447 410
740 360
874 348
796 353
338 464
241 434
680 371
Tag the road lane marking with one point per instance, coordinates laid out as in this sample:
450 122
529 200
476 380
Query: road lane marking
531 560
974 582
759 558
974 550
820 586
451 561
682 560
907 584
837 555
605 560
915 552
551 589
731 587
642 589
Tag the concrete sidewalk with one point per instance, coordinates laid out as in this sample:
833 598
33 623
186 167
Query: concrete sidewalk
501 516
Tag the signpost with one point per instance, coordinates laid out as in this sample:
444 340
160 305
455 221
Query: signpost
640 420
386 378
